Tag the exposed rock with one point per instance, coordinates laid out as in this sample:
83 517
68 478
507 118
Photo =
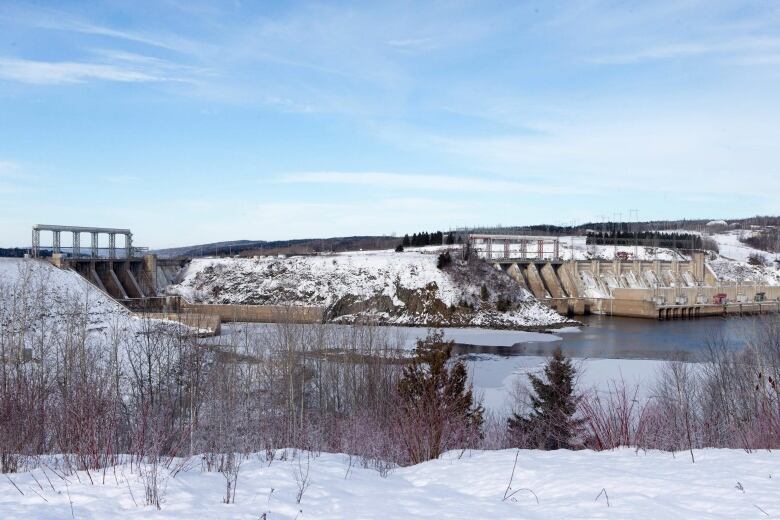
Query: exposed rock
384 287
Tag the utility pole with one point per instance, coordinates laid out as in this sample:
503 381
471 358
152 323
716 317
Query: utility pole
635 225
571 246
603 219
618 218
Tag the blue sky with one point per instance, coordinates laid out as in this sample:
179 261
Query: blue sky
194 121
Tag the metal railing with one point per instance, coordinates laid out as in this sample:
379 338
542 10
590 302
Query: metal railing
102 253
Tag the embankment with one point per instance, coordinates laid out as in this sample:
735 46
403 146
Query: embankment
384 287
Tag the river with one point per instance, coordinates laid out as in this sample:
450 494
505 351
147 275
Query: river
605 349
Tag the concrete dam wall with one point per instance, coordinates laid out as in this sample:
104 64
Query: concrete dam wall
643 289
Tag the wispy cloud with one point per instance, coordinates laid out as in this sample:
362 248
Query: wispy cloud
59 20
413 44
747 48
65 72
403 181
69 24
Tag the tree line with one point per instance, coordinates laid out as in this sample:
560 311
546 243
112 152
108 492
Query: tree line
765 240
686 241
424 238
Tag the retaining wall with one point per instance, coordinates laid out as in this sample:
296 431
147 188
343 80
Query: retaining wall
257 313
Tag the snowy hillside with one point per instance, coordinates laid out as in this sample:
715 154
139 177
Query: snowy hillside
390 287
36 295
626 483
731 263
742 272
52 294
730 247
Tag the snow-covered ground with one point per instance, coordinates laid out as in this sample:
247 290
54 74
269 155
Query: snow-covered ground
624 483
730 247
52 293
742 272
731 264
35 294
314 280
575 248
390 287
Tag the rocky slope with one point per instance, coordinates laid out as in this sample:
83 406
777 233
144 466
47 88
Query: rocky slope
742 272
383 286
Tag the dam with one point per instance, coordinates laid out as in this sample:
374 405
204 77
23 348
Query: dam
124 271
656 289
678 288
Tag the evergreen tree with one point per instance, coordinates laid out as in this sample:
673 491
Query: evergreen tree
406 242
444 260
450 239
438 411
551 424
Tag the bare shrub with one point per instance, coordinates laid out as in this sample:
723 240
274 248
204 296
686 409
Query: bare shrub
614 418
710 244
302 479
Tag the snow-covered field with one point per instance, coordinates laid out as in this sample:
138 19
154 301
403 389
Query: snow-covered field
620 484
393 288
